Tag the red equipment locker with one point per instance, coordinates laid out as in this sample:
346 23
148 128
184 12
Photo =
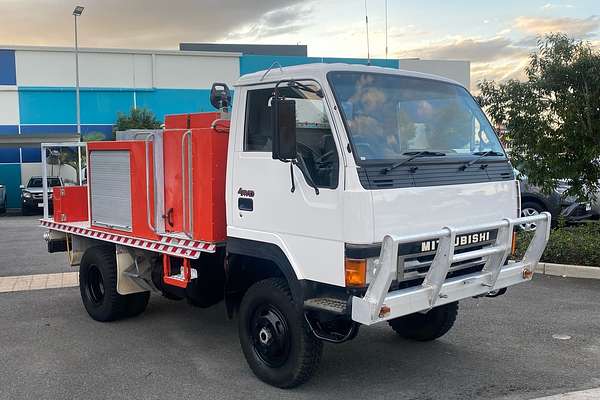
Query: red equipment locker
70 203
120 193
209 138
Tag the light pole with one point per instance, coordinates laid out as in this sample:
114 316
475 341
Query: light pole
76 13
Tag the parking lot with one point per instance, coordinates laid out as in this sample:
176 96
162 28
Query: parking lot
499 349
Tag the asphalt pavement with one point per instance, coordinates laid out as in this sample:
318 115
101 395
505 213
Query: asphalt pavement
540 339
23 250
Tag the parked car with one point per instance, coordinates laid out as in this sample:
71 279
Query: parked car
32 200
2 199
534 201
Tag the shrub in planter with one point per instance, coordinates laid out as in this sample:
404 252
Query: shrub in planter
576 245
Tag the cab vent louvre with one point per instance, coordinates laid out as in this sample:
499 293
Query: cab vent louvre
433 174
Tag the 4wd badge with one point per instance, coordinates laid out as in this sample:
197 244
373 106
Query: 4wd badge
245 192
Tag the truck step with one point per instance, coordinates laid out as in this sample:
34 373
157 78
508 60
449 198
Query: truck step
329 304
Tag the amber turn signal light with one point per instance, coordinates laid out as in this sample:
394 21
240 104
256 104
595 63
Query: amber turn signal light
356 272
514 244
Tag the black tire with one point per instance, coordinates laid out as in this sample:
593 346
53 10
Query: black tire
98 287
137 303
425 327
276 340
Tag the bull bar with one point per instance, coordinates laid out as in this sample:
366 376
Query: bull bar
378 304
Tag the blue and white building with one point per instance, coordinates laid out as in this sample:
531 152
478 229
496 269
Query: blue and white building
37 92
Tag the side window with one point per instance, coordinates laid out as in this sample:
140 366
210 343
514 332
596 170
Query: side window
258 121
317 153
316 145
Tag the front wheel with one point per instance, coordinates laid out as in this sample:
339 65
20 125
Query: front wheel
429 326
275 337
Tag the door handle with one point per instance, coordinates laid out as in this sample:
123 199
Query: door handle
245 204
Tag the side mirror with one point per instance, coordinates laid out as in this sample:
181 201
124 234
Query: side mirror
21 187
220 96
284 129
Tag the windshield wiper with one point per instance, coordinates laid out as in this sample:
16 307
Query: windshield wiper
481 155
413 155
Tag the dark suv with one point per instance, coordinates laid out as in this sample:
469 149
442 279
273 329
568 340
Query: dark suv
534 201
32 200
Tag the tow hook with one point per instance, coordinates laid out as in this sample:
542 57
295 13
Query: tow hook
496 293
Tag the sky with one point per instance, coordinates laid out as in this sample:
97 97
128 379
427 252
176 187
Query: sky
495 36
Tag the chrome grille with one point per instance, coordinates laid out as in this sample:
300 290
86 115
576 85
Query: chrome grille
412 268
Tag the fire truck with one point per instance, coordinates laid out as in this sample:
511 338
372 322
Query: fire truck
322 198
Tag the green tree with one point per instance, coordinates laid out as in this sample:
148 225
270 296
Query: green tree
553 117
138 118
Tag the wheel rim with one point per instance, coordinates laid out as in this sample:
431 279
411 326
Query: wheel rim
528 212
94 286
270 335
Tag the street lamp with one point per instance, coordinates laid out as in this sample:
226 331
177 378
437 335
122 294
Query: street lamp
77 13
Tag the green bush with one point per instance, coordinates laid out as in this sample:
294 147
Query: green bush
575 245
138 118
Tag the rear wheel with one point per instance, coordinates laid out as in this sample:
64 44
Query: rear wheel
275 337
98 287
425 327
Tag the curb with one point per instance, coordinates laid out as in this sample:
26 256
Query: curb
568 271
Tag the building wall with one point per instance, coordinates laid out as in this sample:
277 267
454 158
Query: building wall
37 94
459 71
253 63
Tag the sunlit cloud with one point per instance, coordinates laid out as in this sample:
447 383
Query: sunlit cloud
475 50
579 27
554 6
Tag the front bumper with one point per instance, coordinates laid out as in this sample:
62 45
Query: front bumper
34 203
379 304
577 212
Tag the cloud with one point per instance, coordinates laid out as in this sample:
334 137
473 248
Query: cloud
554 6
501 58
578 27
136 23
277 22
475 50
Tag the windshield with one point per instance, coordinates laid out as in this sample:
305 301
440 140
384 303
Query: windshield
37 182
389 115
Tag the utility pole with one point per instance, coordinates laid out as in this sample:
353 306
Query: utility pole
77 13
386 29
367 24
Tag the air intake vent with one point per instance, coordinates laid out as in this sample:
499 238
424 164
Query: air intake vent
383 183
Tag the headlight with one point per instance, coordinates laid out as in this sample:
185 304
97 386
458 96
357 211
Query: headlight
26 195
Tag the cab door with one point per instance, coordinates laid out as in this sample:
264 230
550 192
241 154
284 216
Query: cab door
271 201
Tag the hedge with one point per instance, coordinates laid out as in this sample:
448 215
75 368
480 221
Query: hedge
575 245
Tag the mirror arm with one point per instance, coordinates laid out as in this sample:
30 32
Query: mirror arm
302 167
292 162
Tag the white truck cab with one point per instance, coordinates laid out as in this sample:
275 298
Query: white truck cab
387 192
354 195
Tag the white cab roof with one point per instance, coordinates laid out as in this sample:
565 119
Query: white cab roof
319 72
